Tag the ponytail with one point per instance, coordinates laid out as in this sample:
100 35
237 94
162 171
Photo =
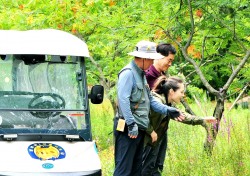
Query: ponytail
163 84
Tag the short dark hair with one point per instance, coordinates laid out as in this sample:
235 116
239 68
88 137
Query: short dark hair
165 49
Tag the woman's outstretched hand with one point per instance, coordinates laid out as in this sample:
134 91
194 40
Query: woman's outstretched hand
210 119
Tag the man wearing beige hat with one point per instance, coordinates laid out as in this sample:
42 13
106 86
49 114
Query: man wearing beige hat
134 103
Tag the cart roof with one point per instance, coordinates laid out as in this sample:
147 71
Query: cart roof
41 42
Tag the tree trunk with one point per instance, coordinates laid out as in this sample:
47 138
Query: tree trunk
212 130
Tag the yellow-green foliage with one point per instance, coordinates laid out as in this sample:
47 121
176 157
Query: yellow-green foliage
185 154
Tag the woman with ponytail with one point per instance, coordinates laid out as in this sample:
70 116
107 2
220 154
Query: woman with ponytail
168 91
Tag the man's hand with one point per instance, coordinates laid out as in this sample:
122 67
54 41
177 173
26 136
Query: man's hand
133 130
176 114
180 118
154 136
172 109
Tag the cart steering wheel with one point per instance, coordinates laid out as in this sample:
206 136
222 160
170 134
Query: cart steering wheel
46 101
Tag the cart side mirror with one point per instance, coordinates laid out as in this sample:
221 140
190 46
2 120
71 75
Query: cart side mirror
96 94
3 57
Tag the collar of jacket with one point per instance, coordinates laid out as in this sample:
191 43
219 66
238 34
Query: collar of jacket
159 96
138 70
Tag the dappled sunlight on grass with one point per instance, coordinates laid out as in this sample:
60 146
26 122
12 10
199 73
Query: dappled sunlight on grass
107 160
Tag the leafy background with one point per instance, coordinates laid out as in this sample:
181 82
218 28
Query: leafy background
111 28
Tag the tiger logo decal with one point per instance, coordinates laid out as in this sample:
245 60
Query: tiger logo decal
46 151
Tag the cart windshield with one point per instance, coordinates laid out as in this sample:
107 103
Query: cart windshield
42 92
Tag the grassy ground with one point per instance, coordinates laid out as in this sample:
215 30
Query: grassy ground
230 157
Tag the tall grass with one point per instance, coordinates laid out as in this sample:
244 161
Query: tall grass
185 156
101 121
102 127
231 153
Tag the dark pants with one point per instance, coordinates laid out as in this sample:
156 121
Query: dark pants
128 154
162 153
153 158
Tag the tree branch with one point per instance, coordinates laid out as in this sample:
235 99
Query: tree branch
198 71
236 71
232 31
187 108
100 71
243 90
196 67
192 25
203 49
199 66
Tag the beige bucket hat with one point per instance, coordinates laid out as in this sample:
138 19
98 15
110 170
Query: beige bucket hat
147 50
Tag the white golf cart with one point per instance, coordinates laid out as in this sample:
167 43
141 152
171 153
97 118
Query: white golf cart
45 124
